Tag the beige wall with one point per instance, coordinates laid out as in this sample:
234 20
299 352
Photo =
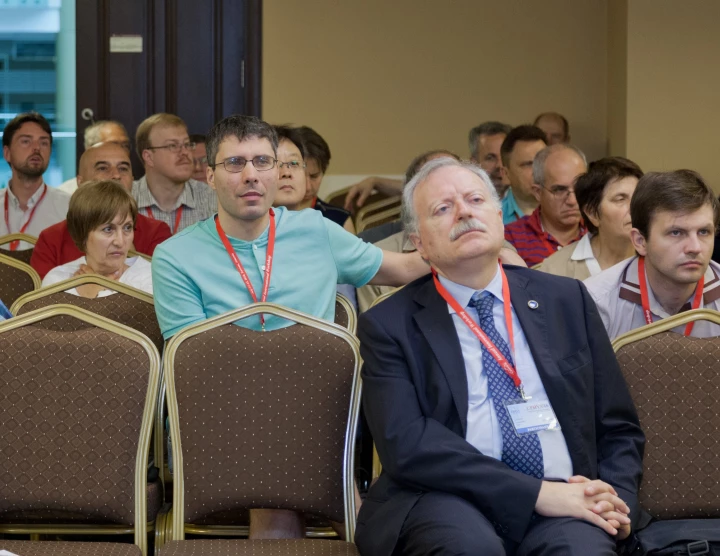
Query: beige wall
383 81
617 33
674 85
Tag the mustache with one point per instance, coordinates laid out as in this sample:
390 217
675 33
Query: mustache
470 225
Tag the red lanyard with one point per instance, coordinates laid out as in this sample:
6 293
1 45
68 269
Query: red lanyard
314 202
239 266
178 215
14 244
697 299
484 340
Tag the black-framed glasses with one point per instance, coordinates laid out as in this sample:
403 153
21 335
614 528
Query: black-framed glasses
236 164
560 192
175 147
292 165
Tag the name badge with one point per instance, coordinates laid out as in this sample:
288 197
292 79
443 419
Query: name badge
531 416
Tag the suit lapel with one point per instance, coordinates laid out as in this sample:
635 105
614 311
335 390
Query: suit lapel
437 326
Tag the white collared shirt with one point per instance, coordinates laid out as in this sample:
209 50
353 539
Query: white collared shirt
138 275
583 252
483 427
51 210
616 293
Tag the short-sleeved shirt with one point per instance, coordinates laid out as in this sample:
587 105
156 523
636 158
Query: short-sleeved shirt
510 209
532 242
616 292
194 278
48 211
198 202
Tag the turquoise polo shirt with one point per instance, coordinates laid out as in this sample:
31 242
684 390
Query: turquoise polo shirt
194 278
510 209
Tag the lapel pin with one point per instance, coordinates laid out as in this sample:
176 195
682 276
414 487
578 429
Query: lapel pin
533 304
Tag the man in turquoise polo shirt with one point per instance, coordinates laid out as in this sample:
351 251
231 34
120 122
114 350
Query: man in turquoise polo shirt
518 152
195 276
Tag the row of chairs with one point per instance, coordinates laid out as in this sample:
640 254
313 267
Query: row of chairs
136 310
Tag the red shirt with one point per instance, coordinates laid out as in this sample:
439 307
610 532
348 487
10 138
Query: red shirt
533 243
55 247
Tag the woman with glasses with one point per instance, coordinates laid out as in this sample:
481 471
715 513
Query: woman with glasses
603 194
101 222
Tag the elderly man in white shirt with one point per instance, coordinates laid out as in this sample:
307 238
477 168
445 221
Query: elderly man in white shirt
28 205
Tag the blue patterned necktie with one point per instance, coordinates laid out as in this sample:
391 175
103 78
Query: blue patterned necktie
521 453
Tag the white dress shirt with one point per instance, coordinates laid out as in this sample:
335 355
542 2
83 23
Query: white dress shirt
583 252
138 276
483 427
51 210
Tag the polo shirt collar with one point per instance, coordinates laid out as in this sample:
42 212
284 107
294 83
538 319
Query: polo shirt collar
630 288
510 206
463 294
583 251
145 197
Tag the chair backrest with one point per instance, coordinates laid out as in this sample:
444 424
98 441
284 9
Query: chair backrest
128 306
383 297
337 199
376 206
345 314
23 255
379 218
16 278
76 409
262 419
674 381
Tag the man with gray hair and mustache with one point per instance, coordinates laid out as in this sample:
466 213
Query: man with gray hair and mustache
493 439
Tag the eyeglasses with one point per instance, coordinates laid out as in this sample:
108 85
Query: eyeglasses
175 147
236 164
292 165
560 192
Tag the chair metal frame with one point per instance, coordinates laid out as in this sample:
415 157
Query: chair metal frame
141 527
665 325
178 525
26 268
350 310
74 282
379 218
382 205
9 238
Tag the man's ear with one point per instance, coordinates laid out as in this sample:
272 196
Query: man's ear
639 242
147 158
6 154
210 176
536 191
415 238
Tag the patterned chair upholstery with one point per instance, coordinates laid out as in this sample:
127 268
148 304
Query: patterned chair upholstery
16 279
23 255
259 548
127 306
272 407
674 381
345 314
76 407
51 548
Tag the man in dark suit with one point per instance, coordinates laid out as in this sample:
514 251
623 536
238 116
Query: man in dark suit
460 370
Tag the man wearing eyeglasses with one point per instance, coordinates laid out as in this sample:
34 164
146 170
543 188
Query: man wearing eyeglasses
557 221
166 192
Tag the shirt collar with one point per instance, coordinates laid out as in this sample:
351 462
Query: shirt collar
32 201
463 294
583 250
145 197
511 205
630 288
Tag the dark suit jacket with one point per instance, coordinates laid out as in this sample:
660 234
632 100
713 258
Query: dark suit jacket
415 397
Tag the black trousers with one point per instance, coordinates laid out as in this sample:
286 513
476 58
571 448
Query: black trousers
445 525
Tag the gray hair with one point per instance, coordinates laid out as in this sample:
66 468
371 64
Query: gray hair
538 168
485 128
93 132
409 216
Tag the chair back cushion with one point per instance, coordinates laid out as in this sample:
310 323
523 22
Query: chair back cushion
262 419
71 408
120 307
14 282
674 382
22 255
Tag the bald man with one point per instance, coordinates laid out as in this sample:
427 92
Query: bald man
105 161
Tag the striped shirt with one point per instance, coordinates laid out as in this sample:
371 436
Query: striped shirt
198 202
532 242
